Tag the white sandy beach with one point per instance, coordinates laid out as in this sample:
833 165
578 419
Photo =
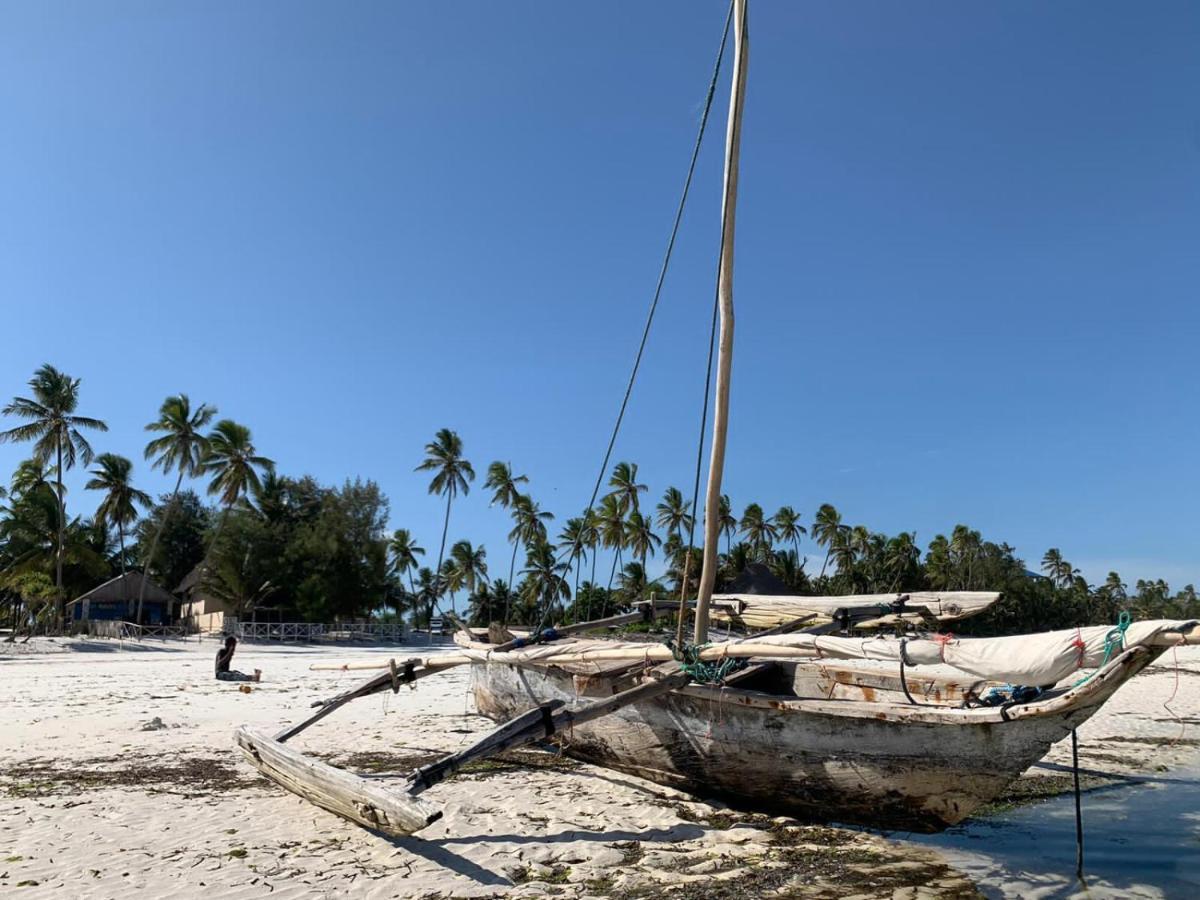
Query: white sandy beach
120 778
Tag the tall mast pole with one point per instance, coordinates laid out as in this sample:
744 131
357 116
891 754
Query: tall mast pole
716 465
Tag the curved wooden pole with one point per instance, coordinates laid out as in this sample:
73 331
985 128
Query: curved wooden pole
716 466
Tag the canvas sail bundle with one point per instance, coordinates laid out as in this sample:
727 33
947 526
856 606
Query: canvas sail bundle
759 611
1030 659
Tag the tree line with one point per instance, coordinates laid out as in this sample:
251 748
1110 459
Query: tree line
318 553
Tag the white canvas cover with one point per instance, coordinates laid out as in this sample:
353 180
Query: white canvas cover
1030 659
767 611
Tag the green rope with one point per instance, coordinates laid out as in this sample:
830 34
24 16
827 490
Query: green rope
701 671
1115 639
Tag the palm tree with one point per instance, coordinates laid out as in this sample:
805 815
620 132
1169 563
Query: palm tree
469 567
545 580
633 582
640 537
610 521
827 526
427 594
901 558
404 550
55 430
787 525
625 485
505 492
728 520
529 524
235 466
452 474
571 538
121 498
181 448
759 531
673 514
1052 565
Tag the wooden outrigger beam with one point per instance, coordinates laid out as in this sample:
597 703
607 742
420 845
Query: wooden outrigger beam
399 814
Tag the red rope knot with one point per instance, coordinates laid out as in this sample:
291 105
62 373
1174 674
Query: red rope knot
943 640
1081 647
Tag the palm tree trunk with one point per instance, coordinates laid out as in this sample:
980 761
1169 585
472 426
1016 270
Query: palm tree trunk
616 560
437 573
575 596
154 543
58 556
512 567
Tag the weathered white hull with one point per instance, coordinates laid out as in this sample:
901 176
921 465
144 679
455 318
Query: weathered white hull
860 753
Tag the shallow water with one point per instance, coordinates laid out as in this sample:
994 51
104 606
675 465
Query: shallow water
1140 840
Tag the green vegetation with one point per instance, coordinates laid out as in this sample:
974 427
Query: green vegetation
321 553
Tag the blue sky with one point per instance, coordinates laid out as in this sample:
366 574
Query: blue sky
966 270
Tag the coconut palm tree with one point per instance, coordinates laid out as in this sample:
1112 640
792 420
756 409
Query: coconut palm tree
505 492
610 520
119 507
1057 569
728 520
235 466
57 434
826 527
469 567
625 485
640 537
902 558
452 476
428 590
404 552
571 539
760 533
180 448
529 524
545 577
787 525
633 582
673 514
581 536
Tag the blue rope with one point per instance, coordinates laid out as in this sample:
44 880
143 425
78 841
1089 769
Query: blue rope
1113 640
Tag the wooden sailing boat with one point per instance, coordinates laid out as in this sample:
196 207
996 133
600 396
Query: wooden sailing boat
802 722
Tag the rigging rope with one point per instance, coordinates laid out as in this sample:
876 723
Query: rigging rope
662 275
1113 640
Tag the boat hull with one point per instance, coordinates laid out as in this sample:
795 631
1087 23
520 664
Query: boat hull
911 767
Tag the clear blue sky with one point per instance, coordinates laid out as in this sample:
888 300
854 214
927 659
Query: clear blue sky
967 261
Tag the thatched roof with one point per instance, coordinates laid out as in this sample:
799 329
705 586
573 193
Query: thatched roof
190 580
125 587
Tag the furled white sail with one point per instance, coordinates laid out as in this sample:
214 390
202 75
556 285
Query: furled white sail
767 611
1031 659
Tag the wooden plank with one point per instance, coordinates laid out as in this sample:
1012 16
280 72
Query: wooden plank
342 793
545 720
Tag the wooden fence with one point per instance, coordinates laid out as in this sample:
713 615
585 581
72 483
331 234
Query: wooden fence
129 631
313 632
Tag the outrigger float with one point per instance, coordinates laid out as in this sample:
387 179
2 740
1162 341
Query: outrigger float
801 716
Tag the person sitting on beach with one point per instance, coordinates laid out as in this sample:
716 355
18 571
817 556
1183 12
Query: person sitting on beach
225 657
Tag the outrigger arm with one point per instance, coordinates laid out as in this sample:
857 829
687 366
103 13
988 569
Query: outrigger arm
399 814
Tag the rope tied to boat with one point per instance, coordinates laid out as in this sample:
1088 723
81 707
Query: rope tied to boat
1114 640
942 640
703 671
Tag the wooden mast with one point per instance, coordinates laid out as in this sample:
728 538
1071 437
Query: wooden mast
712 501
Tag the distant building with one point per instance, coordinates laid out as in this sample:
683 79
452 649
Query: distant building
200 610
117 598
